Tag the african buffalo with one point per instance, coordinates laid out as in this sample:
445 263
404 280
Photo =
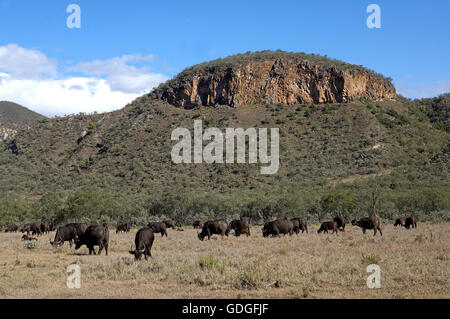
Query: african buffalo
197 224
123 228
410 221
12 228
211 227
34 228
170 223
158 227
45 227
299 224
277 227
240 226
340 222
368 223
94 236
399 222
143 241
64 233
243 230
80 228
326 226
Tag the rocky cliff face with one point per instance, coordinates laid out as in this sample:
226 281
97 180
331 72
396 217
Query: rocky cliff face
6 133
273 80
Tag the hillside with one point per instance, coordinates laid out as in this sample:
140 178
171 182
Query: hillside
123 160
13 117
12 114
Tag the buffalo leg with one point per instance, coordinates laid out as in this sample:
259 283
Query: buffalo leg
100 248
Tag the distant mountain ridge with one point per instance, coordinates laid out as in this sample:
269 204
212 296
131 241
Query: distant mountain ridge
13 114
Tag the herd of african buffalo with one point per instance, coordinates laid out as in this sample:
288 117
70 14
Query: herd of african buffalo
92 234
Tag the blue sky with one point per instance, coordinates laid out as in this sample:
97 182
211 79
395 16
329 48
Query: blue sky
57 70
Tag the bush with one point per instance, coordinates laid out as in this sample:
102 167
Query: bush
30 245
209 262
367 259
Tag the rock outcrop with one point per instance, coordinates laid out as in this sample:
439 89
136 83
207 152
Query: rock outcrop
6 133
273 78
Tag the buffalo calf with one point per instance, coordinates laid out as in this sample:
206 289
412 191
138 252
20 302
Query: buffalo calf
410 222
399 222
326 226
197 224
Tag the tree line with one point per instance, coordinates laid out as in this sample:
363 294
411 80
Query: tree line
95 204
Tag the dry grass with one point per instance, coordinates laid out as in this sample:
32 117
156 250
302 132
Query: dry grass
414 264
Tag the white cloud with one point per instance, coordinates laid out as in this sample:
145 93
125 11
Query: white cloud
130 83
63 97
22 63
30 78
422 89
120 75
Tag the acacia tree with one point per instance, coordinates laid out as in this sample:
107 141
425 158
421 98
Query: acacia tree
373 203
432 200
13 209
49 208
422 202
338 202
93 204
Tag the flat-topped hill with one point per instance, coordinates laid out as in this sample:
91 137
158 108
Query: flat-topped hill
273 77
